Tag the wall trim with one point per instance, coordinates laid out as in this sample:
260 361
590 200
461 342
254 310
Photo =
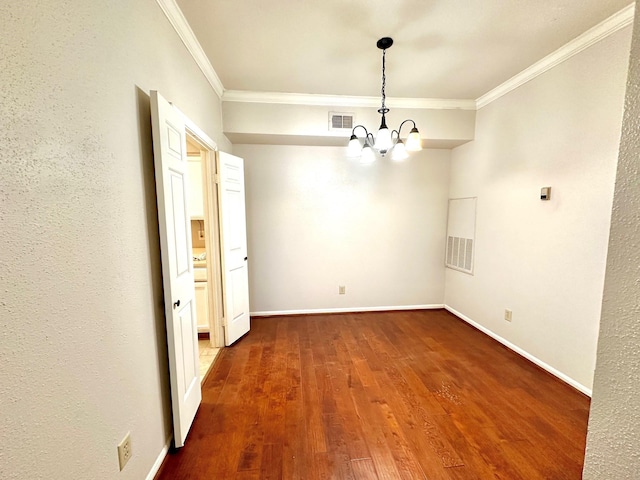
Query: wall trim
246 96
271 313
578 386
158 463
182 28
195 131
601 31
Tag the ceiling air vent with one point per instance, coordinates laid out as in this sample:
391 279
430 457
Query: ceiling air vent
340 121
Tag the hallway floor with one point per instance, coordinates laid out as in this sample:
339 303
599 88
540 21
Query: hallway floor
207 355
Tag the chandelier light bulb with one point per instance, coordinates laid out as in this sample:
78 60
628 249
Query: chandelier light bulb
414 143
368 155
383 139
399 151
354 148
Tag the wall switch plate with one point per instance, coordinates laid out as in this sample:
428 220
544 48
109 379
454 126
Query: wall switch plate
124 450
507 314
341 290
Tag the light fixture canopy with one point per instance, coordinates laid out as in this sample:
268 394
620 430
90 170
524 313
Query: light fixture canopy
385 140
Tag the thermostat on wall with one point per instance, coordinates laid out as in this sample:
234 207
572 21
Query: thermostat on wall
545 193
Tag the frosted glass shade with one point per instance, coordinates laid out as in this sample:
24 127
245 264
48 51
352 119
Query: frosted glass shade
354 148
414 143
399 151
383 139
368 155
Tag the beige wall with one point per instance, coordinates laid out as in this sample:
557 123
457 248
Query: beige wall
544 260
309 124
83 349
196 241
317 219
613 441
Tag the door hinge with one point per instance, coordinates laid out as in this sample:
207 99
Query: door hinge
216 178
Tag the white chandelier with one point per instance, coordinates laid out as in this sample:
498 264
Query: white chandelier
385 140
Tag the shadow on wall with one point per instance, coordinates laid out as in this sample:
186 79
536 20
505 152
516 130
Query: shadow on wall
143 102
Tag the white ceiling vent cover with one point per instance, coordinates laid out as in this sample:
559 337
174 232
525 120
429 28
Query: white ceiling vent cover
340 121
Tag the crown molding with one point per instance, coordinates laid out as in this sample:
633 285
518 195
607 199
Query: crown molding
344 100
615 22
181 26
605 28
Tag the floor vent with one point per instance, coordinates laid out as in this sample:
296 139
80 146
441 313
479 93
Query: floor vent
340 121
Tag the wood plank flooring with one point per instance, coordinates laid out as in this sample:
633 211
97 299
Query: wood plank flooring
385 395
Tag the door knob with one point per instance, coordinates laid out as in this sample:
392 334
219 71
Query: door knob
176 304
245 258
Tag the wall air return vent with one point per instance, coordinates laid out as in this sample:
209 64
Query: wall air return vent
459 253
340 121
461 232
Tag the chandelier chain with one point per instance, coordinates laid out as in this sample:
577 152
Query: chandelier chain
383 108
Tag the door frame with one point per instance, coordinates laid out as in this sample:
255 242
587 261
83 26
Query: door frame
209 149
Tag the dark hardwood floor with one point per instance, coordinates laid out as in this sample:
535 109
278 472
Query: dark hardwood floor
390 395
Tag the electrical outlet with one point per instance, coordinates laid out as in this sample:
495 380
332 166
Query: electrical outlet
124 450
341 290
507 314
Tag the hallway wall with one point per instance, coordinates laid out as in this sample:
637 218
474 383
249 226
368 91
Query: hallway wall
83 349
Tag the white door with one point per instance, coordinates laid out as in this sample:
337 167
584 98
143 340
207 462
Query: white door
233 237
170 153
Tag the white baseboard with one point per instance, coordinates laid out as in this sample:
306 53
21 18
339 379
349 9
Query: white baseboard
578 386
158 463
345 310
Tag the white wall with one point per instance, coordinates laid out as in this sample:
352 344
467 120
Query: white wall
282 124
544 260
317 219
83 346
613 441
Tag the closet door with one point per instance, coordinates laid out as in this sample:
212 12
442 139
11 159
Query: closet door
233 233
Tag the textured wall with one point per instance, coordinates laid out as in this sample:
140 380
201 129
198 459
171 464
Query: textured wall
613 441
82 342
545 260
317 220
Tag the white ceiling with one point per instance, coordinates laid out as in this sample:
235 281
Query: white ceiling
448 49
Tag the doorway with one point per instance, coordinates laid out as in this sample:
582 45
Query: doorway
203 210
226 267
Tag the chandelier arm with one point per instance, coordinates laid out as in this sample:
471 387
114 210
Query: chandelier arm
371 139
397 132
366 132
407 120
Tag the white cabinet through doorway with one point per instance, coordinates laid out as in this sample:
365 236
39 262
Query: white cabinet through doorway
202 306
